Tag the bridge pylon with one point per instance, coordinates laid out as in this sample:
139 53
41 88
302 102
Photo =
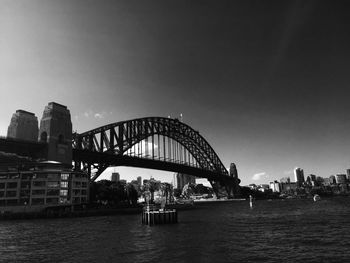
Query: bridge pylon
56 131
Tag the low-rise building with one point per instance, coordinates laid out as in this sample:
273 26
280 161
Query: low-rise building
340 178
44 186
275 187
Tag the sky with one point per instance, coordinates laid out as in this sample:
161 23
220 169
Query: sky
265 82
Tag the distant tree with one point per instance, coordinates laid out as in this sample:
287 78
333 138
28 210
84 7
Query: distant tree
132 194
177 192
167 192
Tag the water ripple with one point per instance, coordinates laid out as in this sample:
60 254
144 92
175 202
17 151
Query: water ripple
277 231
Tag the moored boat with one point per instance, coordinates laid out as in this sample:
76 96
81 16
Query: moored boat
317 197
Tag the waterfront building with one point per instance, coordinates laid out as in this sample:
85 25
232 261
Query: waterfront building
326 181
332 179
46 184
299 176
340 178
263 188
115 177
275 187
288 187
253 186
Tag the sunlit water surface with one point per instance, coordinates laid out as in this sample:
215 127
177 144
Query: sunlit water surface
273 231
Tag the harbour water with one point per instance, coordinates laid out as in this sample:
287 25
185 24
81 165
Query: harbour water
272 231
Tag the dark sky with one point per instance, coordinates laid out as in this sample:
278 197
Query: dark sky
265 82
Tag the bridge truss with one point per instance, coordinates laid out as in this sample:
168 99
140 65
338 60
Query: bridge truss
152 142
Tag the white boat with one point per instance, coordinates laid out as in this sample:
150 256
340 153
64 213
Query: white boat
317 197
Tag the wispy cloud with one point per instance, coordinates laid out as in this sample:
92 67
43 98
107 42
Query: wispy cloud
96 115
258 176
99 115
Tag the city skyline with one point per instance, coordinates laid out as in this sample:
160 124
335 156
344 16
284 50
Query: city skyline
264 83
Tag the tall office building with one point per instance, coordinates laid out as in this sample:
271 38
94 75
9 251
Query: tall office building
348 174
24 126
313 177
299 176
180 180
285 180
139 180
115 177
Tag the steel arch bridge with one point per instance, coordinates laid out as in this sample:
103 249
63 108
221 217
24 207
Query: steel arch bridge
152 142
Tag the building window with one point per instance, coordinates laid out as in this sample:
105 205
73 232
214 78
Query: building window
39 183
51 200
2 185
76 192
41 176
53 184
11 193
25 193
2 193
63 200
38 192
64 176
24 201
12 185
25 184
26 176
84 184
14 176
53 177
63 192
51 192
64 184
38 201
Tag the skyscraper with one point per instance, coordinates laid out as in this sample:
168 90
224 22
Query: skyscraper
182 179
299 176
139 180
348 174
115 177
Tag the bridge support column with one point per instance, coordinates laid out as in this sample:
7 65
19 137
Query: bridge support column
56 130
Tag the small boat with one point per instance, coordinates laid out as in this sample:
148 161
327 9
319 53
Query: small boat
317 197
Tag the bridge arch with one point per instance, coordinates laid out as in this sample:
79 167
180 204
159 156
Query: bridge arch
115 144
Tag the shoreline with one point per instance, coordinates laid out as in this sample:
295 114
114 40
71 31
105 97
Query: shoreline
106 211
